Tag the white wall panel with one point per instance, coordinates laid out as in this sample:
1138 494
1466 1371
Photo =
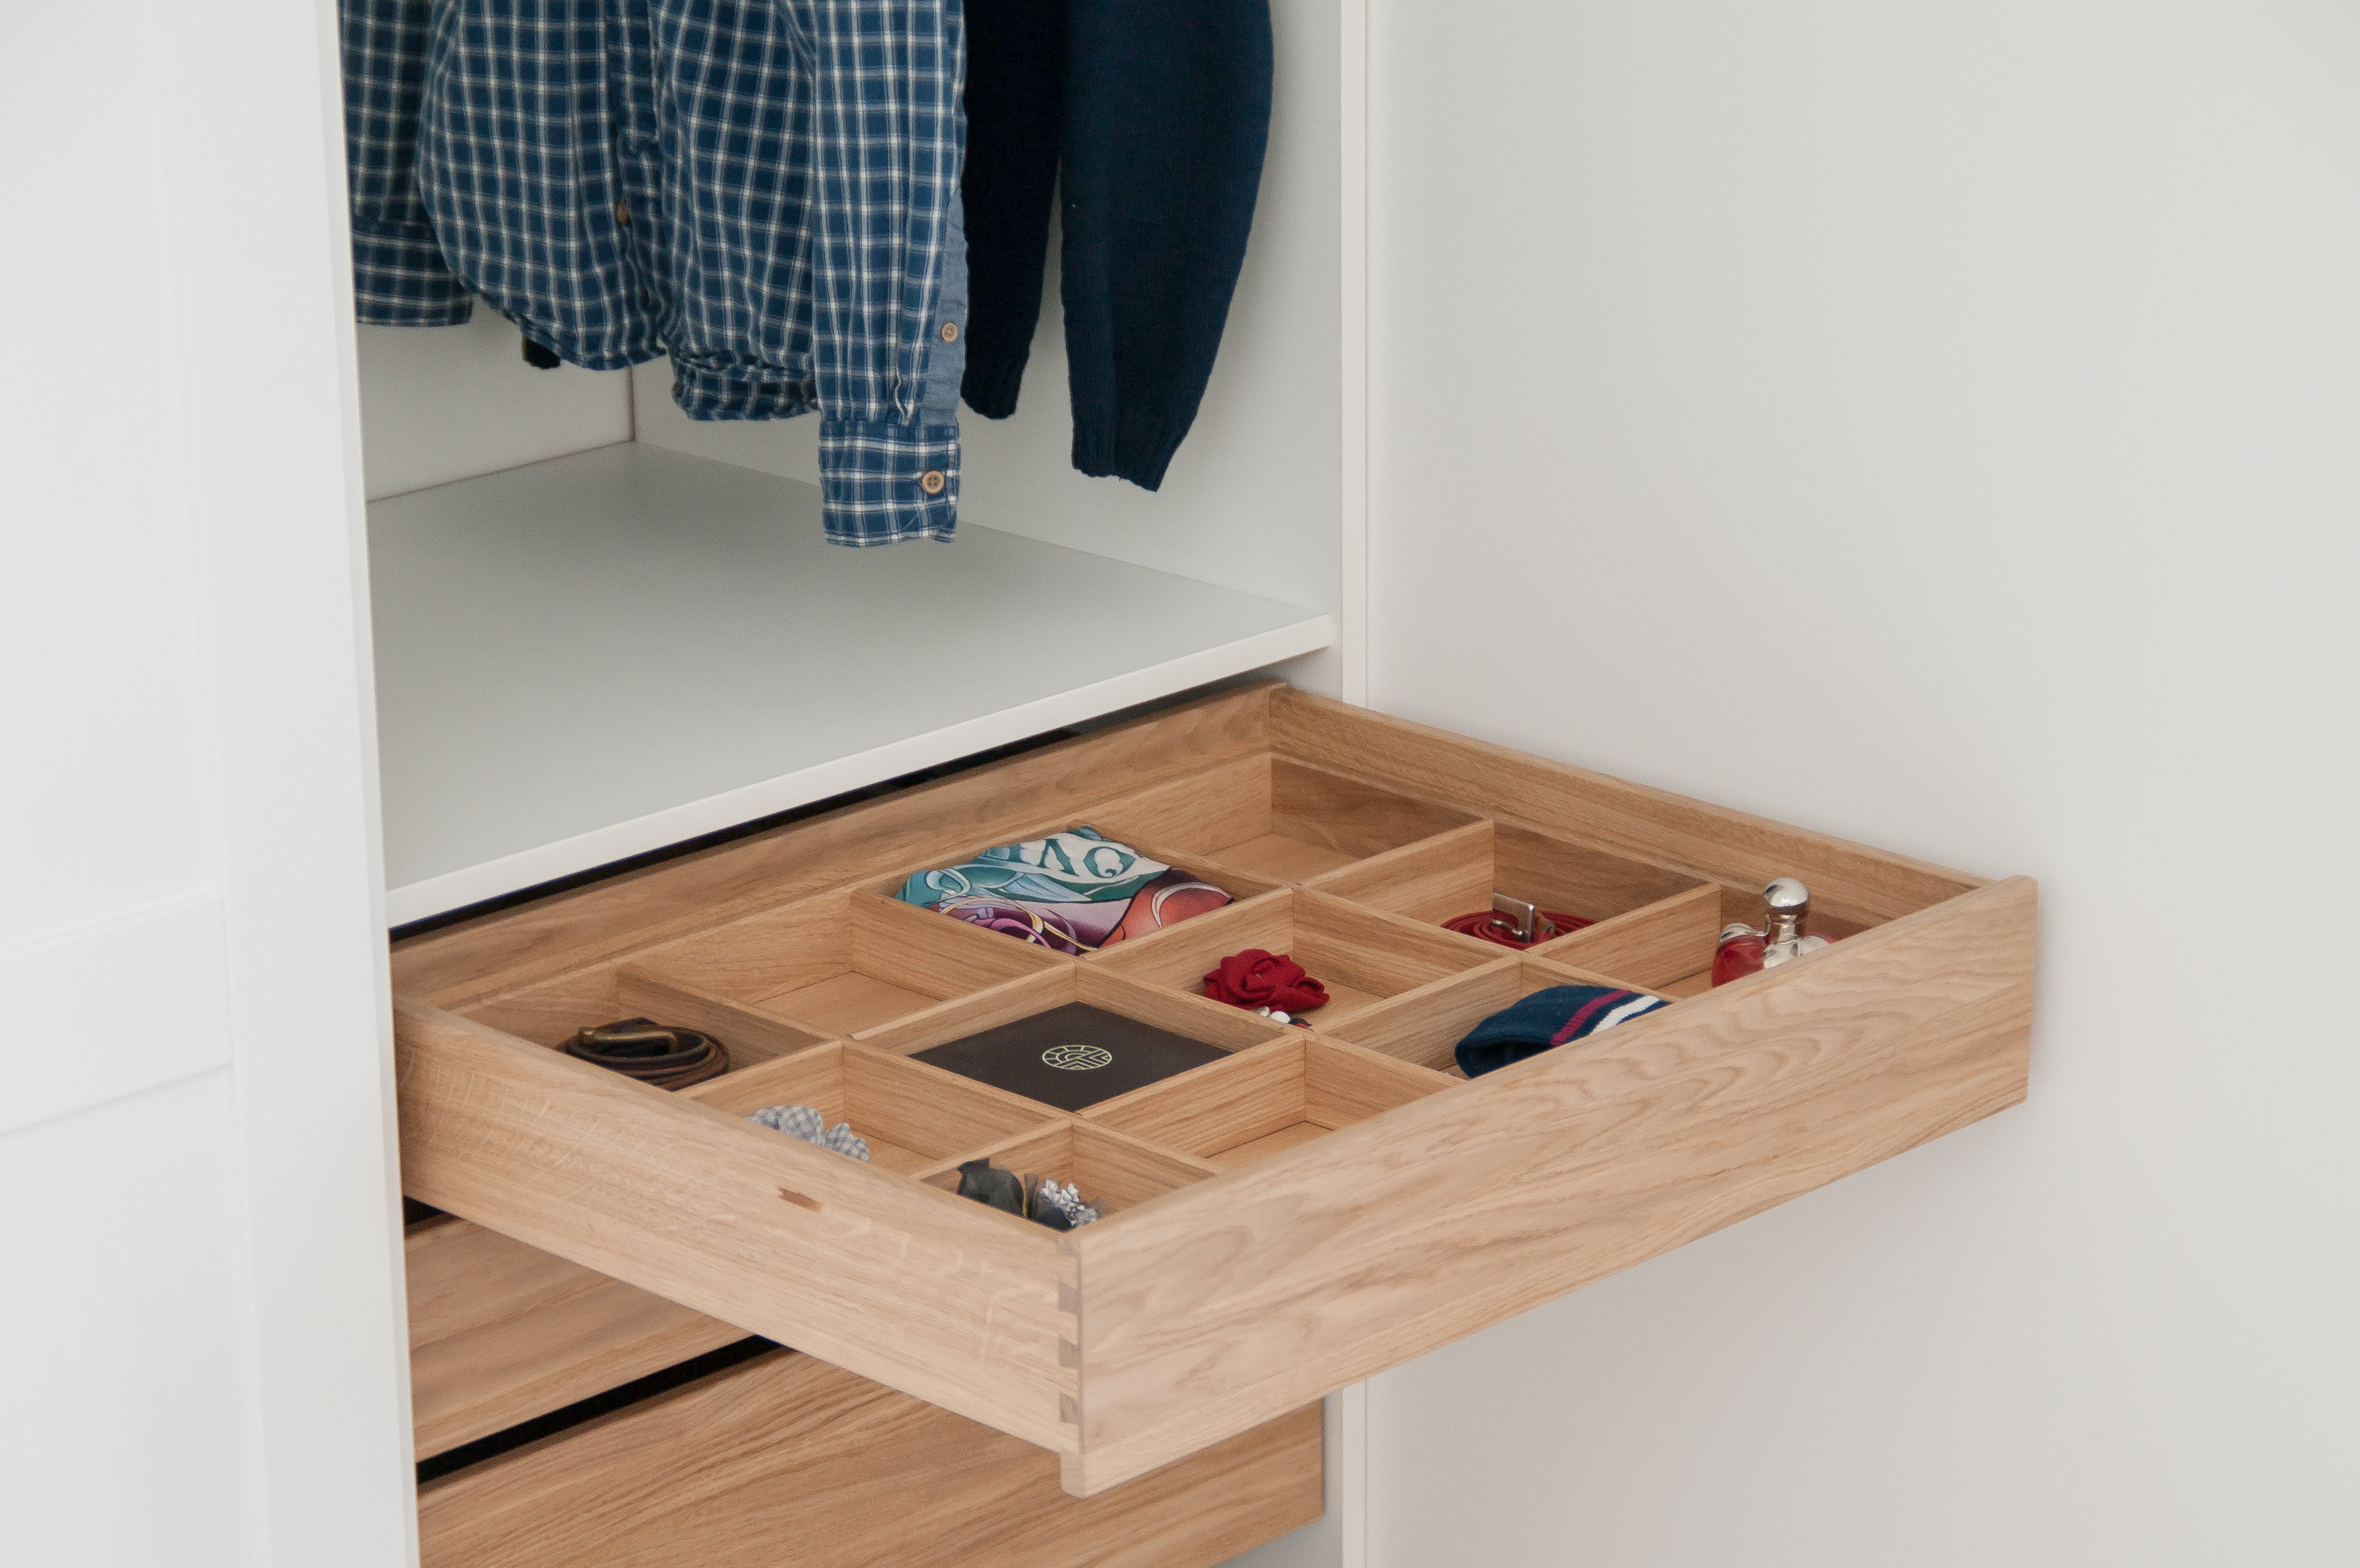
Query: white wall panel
200 1323
150 984
127 1438
93 548
1931 424
262 283
445 403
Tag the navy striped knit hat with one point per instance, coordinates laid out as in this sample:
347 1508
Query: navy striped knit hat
1548 1019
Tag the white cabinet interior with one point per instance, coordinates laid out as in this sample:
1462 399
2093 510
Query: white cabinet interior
599 655
588 646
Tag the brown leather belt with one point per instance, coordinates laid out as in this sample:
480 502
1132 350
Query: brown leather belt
654 1053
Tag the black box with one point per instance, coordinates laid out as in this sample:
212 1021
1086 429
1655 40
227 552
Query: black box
1071 1056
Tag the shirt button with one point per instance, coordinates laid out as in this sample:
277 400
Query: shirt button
932 482
950 332
623 212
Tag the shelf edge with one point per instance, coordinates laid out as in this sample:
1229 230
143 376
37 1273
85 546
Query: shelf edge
619 841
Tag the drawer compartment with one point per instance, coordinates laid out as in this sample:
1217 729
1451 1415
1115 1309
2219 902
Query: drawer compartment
786 1459
1313 1207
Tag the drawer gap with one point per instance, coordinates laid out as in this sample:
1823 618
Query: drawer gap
583 1411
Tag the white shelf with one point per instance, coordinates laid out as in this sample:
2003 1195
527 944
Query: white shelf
600 655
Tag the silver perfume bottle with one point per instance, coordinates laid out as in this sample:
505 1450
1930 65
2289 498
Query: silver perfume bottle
1783 935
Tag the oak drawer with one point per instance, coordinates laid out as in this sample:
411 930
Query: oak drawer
788 1460
501 1333
1311 1209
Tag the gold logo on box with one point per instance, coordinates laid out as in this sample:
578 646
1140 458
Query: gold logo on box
1078 1057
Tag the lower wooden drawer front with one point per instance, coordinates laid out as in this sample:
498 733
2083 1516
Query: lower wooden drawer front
500 1332
786 1462
1310 1209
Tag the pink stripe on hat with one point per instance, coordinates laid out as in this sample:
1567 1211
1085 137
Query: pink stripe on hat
1589 1009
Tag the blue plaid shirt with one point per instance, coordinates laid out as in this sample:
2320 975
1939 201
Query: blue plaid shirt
765 189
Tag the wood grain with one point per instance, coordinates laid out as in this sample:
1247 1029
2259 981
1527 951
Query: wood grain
963 1015
1247 1095
813 1078
1220 801
1561 873
1127 1172
787 1460
1707 842
1647 947
1283 858
549 1013
1182 1012
1270 1098
848 1003
1262 1147
752 1036
1430 880
871 1271
1424 1026
1343 1084
928 951
1217 1306
1383 954
929 1109
465 962
758 955
500 1332
1336 810
1238 884
1275 818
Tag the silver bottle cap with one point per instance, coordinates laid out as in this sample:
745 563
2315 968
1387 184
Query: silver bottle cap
1788 903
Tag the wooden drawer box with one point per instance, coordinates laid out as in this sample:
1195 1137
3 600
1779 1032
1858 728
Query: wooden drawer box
786 1460
781 1460
1318 1206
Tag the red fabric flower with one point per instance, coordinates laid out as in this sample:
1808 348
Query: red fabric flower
1258 979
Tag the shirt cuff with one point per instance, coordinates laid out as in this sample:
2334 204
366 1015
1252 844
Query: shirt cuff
882 484
399 278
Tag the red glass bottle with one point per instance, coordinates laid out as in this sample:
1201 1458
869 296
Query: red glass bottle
1739 955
